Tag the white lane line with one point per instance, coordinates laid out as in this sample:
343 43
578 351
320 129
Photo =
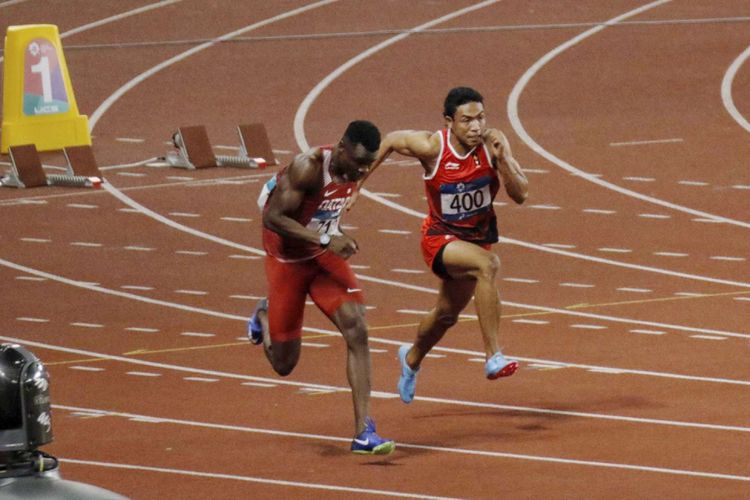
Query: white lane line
559 245
741 186
634 290
647 332
412 311
462 451
639 179
520 280
143 374
408 271
615 250
253 479
184 214
707 337
389 195
246 297
588 327
137 287
30 278
545 207
191 252
109 101
191 292
671 254
86 368
32 320
141 329
244 377
518 127
742 298
236 219
130 140
86 244
531 321
258 384
728 258
36 240
577 285
136 248
726 89
132 174
87 325
198 334
692 183
655 216
394 231
201 379
244 257
644 142
315 345
599 211
87 206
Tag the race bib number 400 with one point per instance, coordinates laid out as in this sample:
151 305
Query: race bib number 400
465 199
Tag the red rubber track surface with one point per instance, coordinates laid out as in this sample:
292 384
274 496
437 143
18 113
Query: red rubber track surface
633 382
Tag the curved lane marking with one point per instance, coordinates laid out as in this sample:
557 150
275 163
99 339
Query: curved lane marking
113 98
456 402
525 137
726 89
114 18
463 451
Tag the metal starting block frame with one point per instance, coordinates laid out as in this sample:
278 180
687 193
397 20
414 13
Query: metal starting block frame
194 150
27 172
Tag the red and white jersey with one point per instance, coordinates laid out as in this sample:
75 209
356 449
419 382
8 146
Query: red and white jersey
460 191
320 212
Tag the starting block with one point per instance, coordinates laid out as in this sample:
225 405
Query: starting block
27 172
25 168
194 150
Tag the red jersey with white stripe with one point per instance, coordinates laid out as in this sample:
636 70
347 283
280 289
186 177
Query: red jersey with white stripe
460 192
320 212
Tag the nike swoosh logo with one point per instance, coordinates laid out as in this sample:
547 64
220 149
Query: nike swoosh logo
362 443
353 290
329 193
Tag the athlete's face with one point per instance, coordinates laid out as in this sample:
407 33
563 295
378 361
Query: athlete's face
468 123
352 161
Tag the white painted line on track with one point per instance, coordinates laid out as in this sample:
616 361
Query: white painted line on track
133 140
191 292
394 231
645 142
518 127
520 280
113 98
86 244
200 379
474 404
726 89
634 290
408 271
198 334
588 327
615 250
136 248
693 183
30 278
639 179
32 320
86 368
671 254
137 287
251 479
87 206
531 321
191 252
141 329
87 325
728 258
577 285
143 374
655 216
648 332
707 337
36 240
236 219
599 211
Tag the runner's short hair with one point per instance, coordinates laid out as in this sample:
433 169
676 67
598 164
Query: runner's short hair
365 133
459 96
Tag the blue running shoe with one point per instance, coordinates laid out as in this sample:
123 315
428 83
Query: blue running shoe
254 326
498 366
369 443
407 383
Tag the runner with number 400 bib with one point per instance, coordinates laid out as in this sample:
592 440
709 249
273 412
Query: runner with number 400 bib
464 166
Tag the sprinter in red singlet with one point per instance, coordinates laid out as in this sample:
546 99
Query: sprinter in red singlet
465 164
306 254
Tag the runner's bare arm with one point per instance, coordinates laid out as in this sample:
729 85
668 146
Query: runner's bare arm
515 181
302 177
422 145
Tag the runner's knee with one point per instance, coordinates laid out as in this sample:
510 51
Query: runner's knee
489 267
446 319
